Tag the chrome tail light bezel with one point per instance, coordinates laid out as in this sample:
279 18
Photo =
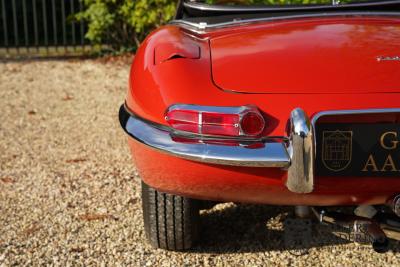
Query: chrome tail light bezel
241 111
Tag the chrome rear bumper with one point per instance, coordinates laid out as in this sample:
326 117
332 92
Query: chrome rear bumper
295 155
272 154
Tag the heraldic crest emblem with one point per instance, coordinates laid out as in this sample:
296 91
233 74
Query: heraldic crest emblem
337 149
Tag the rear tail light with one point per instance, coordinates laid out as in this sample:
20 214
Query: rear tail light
216 121
252 123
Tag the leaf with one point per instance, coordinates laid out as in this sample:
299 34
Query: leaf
67 98
76 160
77 249
7 180
94 217
31 230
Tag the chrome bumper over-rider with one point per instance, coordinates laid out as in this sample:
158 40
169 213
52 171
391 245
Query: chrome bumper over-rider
296 154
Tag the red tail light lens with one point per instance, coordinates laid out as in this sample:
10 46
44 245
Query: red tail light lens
218 121
184 120
252 123
220 124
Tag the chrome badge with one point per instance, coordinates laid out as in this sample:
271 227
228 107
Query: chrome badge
388 58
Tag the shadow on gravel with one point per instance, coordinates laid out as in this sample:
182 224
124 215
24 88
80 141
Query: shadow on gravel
256 228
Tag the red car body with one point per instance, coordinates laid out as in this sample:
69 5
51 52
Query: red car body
337 68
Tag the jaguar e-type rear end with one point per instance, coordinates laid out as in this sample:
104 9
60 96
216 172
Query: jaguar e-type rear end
295 109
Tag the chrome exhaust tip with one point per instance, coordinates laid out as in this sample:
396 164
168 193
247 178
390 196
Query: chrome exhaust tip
394 204
381 246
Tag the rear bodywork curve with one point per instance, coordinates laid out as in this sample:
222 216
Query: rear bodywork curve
189 80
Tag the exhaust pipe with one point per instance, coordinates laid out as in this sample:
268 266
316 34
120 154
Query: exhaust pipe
366 228
394 204
363 228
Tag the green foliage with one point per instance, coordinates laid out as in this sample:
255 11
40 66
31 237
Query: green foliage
124 23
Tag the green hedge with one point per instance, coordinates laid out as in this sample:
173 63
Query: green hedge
125 23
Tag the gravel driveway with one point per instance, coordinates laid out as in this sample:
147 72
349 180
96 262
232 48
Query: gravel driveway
69 194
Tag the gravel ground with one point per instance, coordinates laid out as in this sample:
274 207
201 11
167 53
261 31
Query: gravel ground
69 194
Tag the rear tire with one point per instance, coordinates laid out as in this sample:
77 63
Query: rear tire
171 222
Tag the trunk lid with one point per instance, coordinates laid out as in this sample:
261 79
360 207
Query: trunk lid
313 56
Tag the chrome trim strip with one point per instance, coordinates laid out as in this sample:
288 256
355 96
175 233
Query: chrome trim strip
259 8
273 154
200 123
318 115
203 27
216 109
301 150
